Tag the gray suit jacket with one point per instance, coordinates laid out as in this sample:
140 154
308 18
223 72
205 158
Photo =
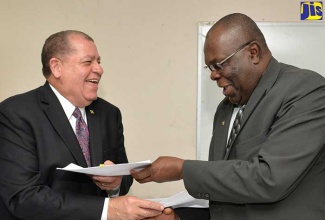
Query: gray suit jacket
36 138
276 166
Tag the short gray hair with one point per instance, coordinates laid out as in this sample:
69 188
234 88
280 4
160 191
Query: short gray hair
59 45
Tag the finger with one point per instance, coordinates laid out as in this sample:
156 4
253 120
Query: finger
146 204
107 179
168 211
149 213
140 175
97 183
105 186
145 180
108 162
100 185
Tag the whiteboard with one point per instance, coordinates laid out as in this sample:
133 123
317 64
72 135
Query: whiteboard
298 44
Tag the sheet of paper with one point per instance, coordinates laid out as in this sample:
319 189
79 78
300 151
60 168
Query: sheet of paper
108 170
183 199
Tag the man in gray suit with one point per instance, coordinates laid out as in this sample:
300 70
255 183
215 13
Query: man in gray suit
38 133
274 167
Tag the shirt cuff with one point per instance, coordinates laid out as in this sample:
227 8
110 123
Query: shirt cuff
114 192
105 209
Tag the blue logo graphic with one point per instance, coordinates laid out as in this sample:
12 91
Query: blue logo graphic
311 10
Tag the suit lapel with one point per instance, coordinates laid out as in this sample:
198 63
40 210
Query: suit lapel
54 111
94 135
268 79
220 131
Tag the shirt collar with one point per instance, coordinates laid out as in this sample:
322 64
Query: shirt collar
67 106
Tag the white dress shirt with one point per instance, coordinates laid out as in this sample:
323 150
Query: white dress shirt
234 113
68 108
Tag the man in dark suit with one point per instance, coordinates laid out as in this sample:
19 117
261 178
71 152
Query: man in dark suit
37 135
273 167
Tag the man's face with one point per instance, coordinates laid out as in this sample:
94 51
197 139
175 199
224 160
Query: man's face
237 77
81 72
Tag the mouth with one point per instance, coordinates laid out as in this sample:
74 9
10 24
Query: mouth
226 90
94 81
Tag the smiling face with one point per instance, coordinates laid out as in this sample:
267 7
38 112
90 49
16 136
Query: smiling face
76 75
239 74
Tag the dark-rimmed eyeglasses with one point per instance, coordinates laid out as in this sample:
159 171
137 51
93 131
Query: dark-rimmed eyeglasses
218 66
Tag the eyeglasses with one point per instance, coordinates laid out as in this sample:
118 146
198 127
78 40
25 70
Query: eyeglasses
218 66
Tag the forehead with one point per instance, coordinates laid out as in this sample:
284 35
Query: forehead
83 47
219 44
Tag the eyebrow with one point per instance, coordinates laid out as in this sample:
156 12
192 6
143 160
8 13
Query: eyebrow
90 57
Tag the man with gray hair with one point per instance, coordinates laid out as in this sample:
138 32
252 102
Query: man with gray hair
59 123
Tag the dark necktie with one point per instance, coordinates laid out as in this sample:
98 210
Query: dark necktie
236 126
82 134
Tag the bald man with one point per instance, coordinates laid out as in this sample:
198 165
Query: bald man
272 166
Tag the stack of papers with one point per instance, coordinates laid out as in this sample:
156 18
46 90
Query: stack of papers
108 170
182 199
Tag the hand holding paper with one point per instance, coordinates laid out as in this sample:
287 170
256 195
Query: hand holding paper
108 183
182 199
161 170
130 207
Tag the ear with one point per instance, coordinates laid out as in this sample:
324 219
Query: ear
255 51
56 67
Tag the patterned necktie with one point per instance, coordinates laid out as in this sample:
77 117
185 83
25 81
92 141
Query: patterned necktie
82 134
236 126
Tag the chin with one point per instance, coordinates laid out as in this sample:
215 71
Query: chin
89 100
233 101
92 99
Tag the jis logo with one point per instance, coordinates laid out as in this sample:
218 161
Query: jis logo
311 10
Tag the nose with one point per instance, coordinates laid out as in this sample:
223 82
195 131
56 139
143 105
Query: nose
97 68
215 74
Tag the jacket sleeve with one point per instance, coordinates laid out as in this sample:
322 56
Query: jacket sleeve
23 188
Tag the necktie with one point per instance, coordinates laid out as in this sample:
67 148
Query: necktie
236 126
82 134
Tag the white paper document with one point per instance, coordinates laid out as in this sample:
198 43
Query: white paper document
108 170
183 199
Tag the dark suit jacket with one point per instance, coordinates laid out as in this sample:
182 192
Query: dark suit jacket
36 138
276 166
193 213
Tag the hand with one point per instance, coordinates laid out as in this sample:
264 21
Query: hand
168 214
132 208
107 182
161 170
